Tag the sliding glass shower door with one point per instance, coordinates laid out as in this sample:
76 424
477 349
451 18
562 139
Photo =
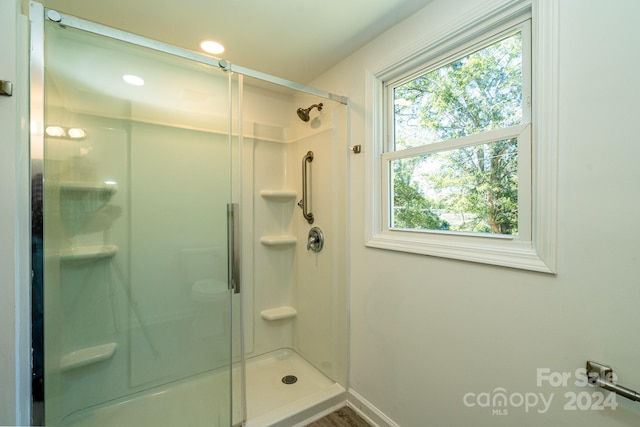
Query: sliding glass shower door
130 248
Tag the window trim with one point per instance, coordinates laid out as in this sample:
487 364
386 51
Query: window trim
537 253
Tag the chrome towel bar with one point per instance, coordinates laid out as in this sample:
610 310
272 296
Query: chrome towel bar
304 203
602 376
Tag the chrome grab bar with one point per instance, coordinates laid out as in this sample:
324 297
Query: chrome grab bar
304 203
602 376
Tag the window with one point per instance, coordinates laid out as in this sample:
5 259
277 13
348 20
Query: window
457 161
453 158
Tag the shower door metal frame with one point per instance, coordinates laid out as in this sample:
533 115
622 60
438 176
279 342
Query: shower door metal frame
93 27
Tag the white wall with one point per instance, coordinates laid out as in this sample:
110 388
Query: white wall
426 331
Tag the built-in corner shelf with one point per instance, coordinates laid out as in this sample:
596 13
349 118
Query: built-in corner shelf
284 312
83 253
87 356
284 240
278 195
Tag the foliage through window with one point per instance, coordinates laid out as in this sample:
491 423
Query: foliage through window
456 132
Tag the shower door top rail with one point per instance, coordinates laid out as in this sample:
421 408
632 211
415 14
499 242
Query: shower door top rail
93 27
114 33
288 83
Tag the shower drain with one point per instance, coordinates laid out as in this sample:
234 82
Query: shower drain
289 379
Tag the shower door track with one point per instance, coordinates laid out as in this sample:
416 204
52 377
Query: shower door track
103 30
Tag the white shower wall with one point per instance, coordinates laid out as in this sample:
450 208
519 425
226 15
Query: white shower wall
139 299
321 288
290 275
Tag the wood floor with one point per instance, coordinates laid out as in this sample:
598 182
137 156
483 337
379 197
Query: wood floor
344 417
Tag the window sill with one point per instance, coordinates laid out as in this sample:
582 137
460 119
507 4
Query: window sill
499 252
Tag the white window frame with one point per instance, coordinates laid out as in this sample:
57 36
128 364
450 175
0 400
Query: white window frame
535 246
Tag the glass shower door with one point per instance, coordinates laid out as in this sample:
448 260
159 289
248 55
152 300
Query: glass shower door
134 175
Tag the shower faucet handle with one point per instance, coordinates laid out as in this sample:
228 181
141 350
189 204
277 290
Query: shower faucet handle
315 242
311 241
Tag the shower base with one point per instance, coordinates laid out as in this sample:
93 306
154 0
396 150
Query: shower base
189 402
284 390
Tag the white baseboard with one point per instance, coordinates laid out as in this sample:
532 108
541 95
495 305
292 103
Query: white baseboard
320 415
366 410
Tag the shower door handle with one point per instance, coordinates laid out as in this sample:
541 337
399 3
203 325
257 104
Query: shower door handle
304 203
233 240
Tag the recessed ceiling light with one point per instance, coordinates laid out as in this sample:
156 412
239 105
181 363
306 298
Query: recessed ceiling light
133 80
210 46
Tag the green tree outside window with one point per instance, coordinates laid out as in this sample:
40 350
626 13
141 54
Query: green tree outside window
475 188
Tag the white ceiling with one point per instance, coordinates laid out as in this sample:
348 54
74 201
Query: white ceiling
293 39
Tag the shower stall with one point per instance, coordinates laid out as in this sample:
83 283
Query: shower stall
175 279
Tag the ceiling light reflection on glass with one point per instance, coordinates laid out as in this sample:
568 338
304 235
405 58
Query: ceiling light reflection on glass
212 47
133 80
76 133
55 131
